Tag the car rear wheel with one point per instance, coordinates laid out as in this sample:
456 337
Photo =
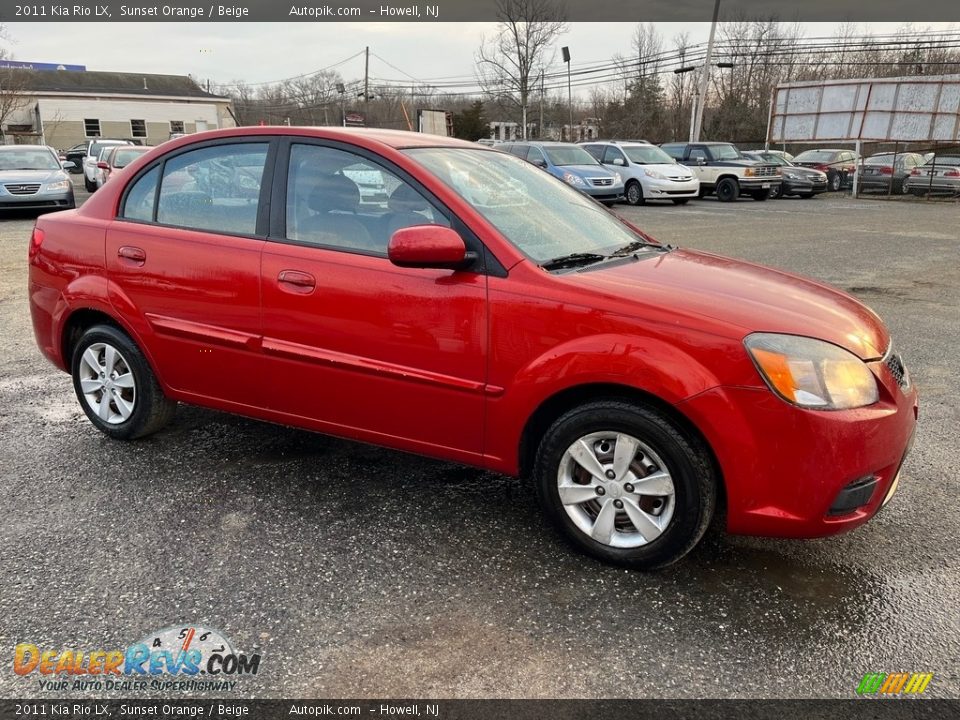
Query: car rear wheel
116 387
680 201
902 187
625 484
634 193
91 187
728 190
776 192
835 181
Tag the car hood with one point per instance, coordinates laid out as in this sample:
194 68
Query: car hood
669 169
31 176
752 297
587 171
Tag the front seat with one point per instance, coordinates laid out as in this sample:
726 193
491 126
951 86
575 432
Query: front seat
334 201
406 208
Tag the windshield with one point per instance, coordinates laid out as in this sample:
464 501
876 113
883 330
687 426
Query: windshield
815 156
32 159
123 157
725 152
96 147
647 155
542 216
561 155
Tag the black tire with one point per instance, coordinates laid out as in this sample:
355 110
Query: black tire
687 461
728 190
834 181
151 408
634 193
680 201
608 203
776 191
902 188
760 195
91 187
807 196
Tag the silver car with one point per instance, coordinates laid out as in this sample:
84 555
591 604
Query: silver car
33 178
938 176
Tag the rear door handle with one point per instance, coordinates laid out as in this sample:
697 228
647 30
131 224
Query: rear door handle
135 255
297 281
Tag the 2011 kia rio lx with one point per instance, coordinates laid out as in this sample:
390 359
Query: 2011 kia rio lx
447 299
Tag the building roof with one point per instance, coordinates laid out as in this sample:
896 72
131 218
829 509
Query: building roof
92 82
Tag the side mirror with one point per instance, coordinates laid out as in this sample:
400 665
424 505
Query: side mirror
67 164
701 161
618 161
429 246
539 163
103 166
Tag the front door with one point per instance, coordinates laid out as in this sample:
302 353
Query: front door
353 343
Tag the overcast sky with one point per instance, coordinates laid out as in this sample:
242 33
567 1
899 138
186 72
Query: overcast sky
260 52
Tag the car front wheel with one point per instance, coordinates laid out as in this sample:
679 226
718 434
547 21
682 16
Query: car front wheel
728 190
835 182
625 484
90 186
116 387
634 193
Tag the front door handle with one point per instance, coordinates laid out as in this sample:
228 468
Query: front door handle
137 256
297 281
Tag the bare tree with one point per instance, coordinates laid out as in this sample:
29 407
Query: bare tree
509 62
13 84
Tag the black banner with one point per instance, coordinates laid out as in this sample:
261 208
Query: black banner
230 709
473 11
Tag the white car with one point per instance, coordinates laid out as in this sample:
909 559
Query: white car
648 172
92 157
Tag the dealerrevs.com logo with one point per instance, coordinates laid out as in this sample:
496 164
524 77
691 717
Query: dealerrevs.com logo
176 658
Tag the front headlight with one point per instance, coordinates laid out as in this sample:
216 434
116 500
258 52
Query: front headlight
749 172
56 186
812 373
787 175
617 180
575 180
655 174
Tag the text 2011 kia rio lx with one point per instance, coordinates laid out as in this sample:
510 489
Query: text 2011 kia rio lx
447 299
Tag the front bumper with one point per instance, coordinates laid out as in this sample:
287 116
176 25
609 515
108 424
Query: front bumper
669 189
608 193
759 183
803 187
786 469
59 200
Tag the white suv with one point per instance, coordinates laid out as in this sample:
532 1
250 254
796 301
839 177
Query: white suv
89 162
648 172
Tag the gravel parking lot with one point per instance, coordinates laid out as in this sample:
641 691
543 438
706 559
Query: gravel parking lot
360 572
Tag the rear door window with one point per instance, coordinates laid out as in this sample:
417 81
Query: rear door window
214 188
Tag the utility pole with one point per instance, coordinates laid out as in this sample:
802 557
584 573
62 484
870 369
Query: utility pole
704 77
540 129
566 59
366 81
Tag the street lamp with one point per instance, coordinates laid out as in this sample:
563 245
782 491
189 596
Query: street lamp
704 76
699 100
566 58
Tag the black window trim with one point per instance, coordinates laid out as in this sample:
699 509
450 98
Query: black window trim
266 183
485 264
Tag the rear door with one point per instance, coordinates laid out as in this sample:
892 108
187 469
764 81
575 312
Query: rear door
183 258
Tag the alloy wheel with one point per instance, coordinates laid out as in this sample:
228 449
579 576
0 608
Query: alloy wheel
616 489
107 383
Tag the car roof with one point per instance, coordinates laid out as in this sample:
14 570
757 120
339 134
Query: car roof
397 139
8 148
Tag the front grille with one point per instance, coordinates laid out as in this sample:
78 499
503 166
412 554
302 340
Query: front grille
601 182
896 367
22 188
766 171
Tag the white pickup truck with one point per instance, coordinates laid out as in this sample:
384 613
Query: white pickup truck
724 171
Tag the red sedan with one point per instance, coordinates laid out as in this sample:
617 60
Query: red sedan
444 298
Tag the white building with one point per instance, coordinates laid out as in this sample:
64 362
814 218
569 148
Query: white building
62 108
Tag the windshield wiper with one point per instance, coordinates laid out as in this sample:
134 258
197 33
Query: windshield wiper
572 260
